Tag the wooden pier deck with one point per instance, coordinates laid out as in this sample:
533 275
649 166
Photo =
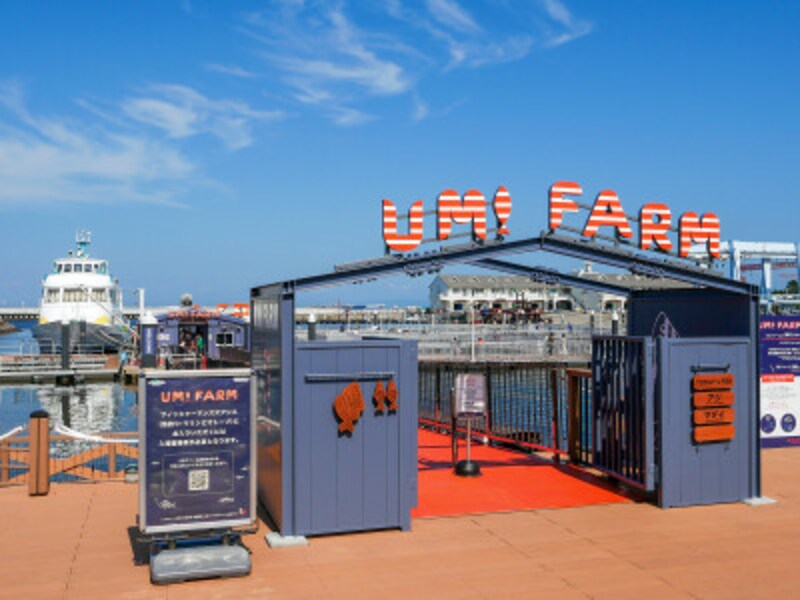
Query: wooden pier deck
75 543
47 368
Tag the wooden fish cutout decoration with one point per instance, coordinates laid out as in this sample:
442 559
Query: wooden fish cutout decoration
348 406
379 396
392 395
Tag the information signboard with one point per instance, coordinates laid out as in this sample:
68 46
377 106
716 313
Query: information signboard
470 395
780 380
196 450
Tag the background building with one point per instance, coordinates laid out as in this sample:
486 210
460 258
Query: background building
453 293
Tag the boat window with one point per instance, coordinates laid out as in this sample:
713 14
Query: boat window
78 268
101 268
99 295
76 295
67 268
51 296
225 338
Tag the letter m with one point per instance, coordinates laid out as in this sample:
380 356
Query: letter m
694 229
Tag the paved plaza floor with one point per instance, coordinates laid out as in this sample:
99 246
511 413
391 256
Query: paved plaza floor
76 543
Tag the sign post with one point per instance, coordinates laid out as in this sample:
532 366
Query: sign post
196 471
470 403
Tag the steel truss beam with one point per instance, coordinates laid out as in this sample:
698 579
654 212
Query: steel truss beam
433 261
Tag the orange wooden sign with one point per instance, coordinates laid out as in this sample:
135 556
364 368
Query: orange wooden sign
711 399
348 406
713 433
713 381
713 416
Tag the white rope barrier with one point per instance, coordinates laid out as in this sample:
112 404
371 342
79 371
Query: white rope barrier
13 432
86 437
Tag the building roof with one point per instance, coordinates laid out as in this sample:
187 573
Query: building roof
521 282
635 282
492 281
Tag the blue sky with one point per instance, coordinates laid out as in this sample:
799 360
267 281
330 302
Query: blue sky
214 146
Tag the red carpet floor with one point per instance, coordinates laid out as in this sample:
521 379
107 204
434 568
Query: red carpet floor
510 481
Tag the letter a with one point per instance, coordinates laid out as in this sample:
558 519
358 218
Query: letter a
607 211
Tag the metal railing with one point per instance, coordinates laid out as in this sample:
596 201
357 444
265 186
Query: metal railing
527 403
480 342
624 412
579 415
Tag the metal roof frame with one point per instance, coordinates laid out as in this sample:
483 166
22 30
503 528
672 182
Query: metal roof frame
487 254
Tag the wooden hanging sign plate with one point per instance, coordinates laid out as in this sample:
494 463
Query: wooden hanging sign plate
714 433
713 381
713 416
712 399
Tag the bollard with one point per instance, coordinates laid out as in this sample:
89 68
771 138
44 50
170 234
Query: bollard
312 327
39 454
65 343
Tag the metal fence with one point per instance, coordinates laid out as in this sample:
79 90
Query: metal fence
524 343
624 411
528 403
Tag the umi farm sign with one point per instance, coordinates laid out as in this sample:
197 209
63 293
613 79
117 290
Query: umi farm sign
654 224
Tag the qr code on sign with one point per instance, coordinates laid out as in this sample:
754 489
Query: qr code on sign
198 480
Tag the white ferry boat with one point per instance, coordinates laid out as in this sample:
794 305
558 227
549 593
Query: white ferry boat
81 291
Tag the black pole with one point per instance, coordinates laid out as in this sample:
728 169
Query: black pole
65 342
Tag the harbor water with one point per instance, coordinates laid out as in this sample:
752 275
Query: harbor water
89 408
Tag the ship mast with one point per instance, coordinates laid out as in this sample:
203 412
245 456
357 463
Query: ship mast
82 239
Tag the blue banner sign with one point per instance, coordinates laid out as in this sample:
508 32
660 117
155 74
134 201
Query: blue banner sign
149 340
780 380
196 450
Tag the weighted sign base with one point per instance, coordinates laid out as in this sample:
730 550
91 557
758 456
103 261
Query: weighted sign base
468 468
199 562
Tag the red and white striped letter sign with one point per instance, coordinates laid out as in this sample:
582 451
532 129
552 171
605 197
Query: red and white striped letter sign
502 209
654 222
559 204
450 210
607 212
402 243
694 229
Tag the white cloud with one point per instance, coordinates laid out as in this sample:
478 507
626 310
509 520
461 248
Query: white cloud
232 70
421 110
328 61
181 112
450 14
45 160
572 28
349 117
338 56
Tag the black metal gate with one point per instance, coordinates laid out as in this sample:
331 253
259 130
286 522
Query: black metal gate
623 390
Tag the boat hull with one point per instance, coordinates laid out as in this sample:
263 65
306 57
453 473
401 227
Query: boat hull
84 337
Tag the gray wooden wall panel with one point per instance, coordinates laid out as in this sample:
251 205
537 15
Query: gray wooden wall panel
713 472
